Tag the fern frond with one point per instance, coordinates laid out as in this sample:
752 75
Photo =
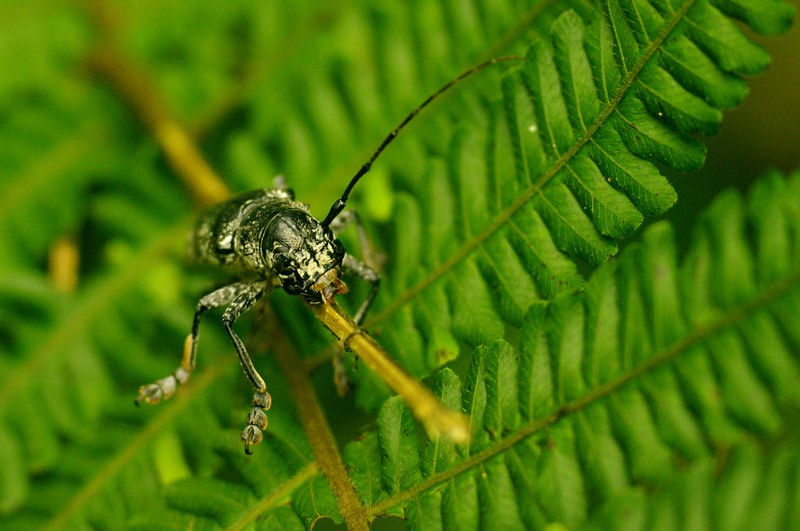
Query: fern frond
645 379
583 127
750 487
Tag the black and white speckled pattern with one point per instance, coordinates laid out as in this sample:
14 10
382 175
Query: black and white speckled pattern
269 233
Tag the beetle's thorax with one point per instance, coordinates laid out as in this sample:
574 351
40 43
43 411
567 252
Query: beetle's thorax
300 251
268 233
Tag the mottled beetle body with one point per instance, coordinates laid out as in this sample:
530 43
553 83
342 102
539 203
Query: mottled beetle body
269 233
273 240
270 240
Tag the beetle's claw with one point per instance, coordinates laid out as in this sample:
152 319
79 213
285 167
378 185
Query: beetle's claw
156 392
251 436
149 394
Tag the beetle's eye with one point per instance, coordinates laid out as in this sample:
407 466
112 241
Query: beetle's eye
283 264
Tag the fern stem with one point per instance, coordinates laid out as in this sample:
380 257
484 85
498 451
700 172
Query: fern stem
63 263
437 419
276 496
314 422
184 157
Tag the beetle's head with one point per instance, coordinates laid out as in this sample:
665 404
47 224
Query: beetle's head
304 255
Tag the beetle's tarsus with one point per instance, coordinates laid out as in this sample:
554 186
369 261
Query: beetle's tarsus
162 389
150 394
253 433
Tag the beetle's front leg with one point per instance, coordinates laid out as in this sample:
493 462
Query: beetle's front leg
362 269
239 298
257 418
358 268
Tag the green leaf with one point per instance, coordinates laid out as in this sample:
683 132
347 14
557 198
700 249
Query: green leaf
397 439
209 498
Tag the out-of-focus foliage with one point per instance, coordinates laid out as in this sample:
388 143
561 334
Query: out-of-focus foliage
661 390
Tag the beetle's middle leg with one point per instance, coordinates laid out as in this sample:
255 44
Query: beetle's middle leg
354 266
165 387
363 269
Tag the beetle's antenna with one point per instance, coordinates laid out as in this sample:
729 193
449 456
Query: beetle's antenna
340 203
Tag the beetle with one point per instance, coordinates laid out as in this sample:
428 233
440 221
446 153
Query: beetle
270 239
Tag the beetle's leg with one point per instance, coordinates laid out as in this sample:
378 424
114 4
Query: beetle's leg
344 219
257 418
352 265
165 387
358 268
279 181
347 217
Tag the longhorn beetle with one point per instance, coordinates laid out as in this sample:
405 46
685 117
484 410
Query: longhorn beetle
274 241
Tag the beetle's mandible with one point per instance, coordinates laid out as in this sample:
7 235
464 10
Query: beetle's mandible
272 240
